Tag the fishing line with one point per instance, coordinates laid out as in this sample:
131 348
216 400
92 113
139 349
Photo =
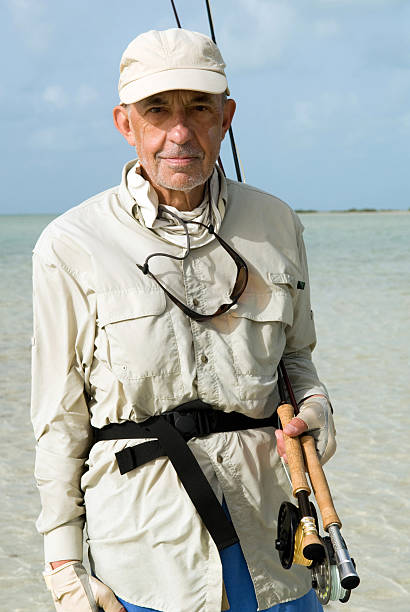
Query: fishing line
236 160
180 26
286 472
176 14
210 20
230 131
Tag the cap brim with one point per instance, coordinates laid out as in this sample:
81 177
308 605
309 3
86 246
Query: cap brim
168 80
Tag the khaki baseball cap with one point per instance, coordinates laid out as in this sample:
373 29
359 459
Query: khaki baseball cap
170 59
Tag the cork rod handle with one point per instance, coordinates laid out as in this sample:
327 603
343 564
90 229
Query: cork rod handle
294 453
319 483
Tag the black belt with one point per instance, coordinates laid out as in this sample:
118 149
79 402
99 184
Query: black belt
172 430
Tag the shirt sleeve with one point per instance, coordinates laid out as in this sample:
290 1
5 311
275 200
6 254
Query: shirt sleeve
62 352
301 335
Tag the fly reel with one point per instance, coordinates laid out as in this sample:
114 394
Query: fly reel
325 576
326 579
289 535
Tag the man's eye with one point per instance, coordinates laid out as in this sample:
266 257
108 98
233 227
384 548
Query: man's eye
155 109
201 107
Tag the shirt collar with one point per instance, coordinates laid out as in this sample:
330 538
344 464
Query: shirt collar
144 190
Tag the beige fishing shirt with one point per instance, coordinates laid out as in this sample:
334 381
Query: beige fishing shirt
109 347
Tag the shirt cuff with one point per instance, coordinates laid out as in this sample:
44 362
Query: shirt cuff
64 543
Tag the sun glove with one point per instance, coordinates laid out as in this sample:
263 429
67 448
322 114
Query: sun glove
73 588
316 412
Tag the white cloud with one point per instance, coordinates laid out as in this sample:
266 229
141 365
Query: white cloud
55 96
404 120
304 115
359 3
63 128
86 95
326 27
44 139
257 34
30 19
324 111
62 138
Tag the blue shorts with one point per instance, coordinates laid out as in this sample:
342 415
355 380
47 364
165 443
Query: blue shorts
240 591
239 587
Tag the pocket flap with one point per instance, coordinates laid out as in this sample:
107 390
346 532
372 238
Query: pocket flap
281 278
121 305
273 306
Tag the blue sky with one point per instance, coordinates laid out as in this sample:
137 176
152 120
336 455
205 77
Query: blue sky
322 86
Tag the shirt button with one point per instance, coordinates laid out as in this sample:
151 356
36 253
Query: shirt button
195 302
204 359
219 458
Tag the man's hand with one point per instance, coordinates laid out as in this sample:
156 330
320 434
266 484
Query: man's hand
315 416
73 589
294 428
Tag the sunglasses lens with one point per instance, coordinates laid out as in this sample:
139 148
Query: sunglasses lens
239 287
240 284
242 279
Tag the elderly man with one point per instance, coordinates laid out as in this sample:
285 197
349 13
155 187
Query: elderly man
161 310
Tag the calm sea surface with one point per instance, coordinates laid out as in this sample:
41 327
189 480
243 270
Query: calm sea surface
360 274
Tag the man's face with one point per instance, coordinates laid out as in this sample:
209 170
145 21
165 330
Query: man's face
177 135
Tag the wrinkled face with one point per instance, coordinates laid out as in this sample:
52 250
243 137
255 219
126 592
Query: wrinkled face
177 135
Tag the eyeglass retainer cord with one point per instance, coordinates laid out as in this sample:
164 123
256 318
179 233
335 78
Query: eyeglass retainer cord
145 269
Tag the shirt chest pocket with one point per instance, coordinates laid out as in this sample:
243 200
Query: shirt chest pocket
139 333
258 324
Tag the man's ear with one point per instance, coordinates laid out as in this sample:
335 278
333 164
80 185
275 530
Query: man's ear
122 123
228 113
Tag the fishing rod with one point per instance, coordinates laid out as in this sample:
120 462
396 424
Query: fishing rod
312 547
333 570
335 575
230 131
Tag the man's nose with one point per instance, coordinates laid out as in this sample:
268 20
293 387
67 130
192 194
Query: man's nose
180 131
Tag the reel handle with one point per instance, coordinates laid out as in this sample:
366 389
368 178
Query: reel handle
319 483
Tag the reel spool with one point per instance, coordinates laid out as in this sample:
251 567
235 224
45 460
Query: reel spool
288 521
326 579
325 576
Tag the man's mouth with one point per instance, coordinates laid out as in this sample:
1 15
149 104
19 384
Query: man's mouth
179 159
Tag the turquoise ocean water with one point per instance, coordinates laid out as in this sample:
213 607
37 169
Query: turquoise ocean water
360 274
